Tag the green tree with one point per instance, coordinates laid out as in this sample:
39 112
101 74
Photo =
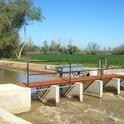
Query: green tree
14 14
71 49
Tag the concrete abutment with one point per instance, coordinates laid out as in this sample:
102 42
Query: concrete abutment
50 95
112 84
75 91
94 88
15 99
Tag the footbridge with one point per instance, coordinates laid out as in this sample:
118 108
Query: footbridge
75 87
66 81
93 84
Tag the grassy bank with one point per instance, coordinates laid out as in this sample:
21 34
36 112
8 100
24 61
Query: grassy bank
113 60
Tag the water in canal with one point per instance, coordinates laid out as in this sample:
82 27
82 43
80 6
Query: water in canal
107 110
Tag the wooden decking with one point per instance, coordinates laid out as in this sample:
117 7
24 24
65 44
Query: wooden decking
71 81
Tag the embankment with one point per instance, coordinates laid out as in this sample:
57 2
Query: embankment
32 66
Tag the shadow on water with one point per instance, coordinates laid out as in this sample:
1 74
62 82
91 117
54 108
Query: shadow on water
110 89
122 88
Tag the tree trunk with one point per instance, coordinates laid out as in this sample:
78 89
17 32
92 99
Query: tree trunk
19 54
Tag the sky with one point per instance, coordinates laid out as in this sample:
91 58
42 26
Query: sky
81 21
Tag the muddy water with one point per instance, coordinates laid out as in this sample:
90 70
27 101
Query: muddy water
14 76
107 110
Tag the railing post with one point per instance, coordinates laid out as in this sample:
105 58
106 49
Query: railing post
70 70
27 72
106 63
101 66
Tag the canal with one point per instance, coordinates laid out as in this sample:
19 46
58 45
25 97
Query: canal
107 110
16 76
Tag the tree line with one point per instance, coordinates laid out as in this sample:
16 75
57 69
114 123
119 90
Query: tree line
56 47
17 14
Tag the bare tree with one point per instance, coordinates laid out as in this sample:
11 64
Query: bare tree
118 50
92 48
45 47
55 46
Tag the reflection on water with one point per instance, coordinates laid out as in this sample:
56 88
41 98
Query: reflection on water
15 76
107 110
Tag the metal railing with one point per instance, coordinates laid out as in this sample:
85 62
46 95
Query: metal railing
102 65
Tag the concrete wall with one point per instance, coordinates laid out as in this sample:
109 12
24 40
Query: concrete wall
8 118
15 99
114 71
122 83
75 91
50 95
95 89
114 83
94 72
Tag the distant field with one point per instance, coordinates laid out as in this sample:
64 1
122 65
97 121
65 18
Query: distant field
92 60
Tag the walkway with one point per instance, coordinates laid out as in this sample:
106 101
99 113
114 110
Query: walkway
71 81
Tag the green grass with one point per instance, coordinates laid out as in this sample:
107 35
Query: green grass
92 60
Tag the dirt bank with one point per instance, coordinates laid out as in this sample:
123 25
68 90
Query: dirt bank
32 66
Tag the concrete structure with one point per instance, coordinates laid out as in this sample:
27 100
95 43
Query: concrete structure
121 72
122 83
113 83
93 72
114 71
49 95
109 72
94 88
15 99
8 118
76 90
